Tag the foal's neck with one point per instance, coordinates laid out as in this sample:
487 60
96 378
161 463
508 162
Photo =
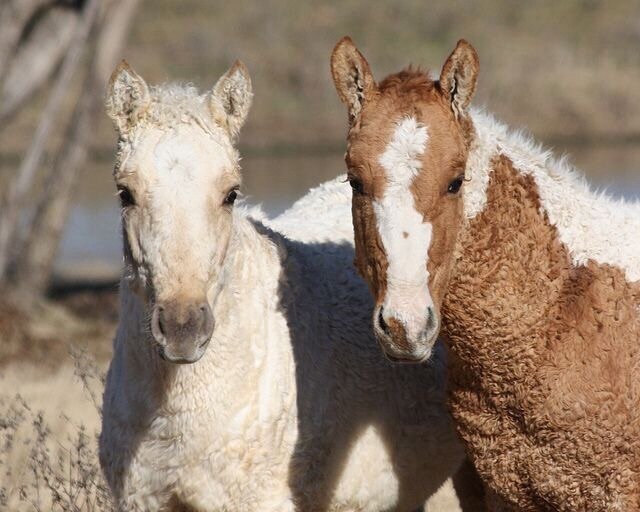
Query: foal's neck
510 271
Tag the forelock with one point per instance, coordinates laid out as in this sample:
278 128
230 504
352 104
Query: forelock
412 81
174 104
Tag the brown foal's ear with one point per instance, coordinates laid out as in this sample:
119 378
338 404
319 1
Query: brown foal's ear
459 76
351 76
127 97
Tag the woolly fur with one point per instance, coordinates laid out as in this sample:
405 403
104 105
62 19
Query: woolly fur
542 320
540 294
592 225
292 406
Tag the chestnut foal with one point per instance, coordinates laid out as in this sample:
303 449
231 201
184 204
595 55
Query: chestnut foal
465 229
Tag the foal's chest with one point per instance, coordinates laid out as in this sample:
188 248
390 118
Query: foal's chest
548 427
212 468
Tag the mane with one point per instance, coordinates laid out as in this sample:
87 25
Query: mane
411 80
591 223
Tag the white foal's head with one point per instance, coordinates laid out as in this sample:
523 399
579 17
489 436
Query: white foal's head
177 175
407 148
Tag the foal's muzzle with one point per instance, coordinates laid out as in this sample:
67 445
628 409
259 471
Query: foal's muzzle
406 340
182 331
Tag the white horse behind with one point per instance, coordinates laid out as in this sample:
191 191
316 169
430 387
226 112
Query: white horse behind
245 376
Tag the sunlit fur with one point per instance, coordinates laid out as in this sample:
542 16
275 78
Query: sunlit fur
291 406
593 225
541 304
406 145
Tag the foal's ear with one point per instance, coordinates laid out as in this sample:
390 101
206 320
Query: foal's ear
233 92
352 76
127 97
459 76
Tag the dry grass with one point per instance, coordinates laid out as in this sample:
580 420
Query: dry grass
48 441
50 395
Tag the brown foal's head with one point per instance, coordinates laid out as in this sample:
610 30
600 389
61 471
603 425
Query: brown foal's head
407 149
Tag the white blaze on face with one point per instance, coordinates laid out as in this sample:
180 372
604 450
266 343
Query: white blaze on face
404 234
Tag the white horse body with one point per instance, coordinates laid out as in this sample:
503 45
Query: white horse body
273 410
292 406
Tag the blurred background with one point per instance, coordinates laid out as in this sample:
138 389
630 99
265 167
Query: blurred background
568 72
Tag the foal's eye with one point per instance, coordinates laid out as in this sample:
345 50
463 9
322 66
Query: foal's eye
454 186
232 195
126 197
356 185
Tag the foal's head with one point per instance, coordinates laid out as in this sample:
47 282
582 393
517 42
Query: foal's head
177 176
407 148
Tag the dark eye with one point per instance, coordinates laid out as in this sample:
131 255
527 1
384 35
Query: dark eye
126 197
454 186
356 185
232 195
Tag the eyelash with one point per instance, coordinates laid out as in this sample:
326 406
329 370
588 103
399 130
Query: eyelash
356 185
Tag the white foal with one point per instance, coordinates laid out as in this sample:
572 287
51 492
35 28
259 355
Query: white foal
245 376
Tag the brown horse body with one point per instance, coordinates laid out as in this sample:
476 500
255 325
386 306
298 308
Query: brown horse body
544 359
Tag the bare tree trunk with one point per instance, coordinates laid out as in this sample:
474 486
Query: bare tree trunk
34 269
14 15
10 212
37 58
31 271
112 36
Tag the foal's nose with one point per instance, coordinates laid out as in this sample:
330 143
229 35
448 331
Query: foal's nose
182 331
406 339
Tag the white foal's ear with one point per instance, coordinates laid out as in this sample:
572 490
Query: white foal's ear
127 97
352 76
233 92
459 76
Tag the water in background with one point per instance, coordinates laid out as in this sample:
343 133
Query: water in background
91 246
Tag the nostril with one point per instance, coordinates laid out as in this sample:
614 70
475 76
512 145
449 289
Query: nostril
381 322
206 318
157 326
431 319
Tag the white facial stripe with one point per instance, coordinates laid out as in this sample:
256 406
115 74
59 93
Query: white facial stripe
401 158
404 234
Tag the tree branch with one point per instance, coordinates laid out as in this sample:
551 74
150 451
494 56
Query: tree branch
36 59
33 270
9 214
